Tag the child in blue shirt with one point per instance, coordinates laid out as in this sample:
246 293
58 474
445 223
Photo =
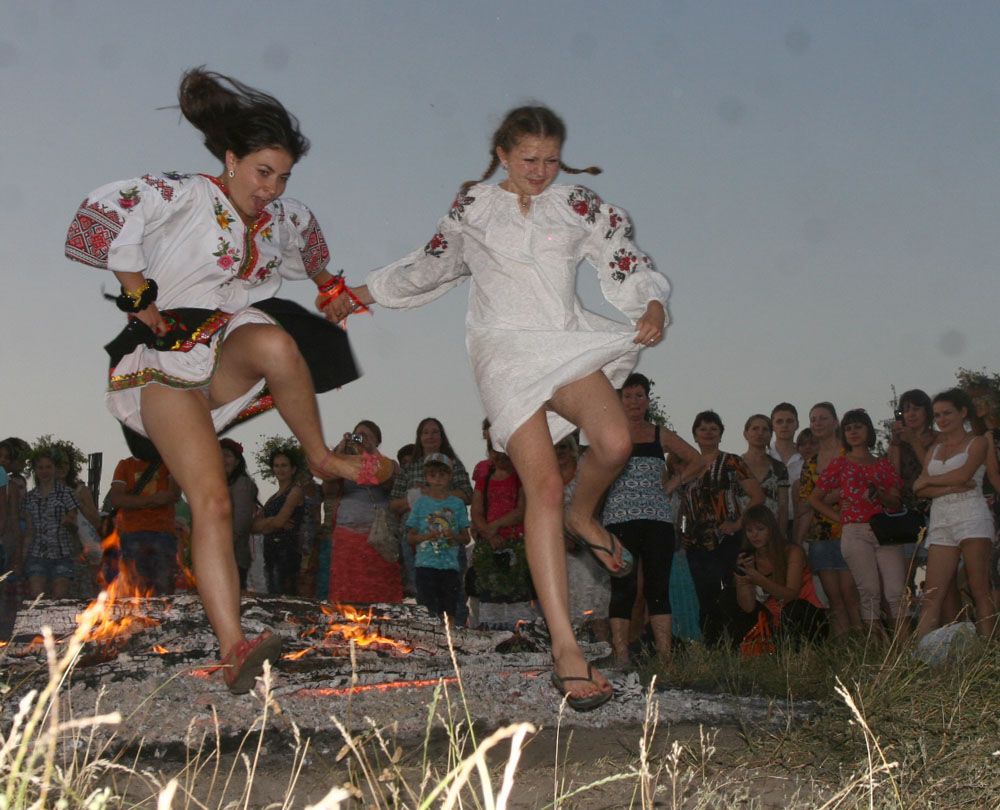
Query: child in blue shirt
438 524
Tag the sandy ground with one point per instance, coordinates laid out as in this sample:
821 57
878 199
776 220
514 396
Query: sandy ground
552 763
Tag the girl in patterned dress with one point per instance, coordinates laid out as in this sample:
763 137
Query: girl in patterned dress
542 362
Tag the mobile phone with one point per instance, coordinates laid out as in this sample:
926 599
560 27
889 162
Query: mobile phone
356 438
898 413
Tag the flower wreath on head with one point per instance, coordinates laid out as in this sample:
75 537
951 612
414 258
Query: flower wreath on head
61 451
278 444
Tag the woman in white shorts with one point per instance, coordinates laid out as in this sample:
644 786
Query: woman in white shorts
961 524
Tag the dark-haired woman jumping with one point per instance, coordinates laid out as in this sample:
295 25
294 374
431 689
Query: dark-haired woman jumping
542 362
199 259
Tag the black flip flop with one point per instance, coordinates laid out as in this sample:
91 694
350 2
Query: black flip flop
627 561
580 704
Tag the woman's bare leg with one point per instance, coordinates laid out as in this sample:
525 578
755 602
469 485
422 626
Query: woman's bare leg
977 553
534 458
942 562
262 351
180 425
830 580
851 598
594 406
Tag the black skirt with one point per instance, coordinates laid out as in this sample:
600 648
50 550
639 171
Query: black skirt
323 345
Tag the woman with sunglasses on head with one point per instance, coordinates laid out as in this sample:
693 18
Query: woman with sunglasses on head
961 526
869 486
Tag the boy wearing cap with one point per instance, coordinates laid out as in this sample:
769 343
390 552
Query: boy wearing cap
437 525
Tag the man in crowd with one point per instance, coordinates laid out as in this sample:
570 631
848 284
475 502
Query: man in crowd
145 499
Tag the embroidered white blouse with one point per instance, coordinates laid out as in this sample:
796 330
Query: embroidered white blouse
526 331
182 231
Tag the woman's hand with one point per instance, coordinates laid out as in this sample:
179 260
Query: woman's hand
152 318
344 304
649 328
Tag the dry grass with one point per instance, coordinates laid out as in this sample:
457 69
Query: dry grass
889 732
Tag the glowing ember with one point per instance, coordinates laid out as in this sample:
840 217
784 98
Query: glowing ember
374 687
295 656
160 649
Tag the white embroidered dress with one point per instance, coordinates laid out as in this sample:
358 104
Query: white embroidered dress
183 232
526 331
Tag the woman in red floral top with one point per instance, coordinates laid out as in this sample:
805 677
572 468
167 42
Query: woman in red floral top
868 486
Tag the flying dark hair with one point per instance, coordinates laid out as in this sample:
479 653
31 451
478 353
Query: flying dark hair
530 120
234 116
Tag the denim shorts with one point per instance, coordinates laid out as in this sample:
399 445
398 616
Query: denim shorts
57 568
824 555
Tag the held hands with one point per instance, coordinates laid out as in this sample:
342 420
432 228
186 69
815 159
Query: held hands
338 308
649 328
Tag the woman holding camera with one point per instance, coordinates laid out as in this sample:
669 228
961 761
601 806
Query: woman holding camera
360 571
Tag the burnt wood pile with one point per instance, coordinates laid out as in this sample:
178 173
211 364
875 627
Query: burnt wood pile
159 673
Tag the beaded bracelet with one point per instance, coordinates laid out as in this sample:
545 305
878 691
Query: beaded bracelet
137 300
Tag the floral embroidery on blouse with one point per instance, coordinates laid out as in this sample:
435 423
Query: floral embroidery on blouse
457 210
615 221
267 234
624 262
264 272
165 189
437 246
222 216
175 176
227 254
94 227
129 198
585 203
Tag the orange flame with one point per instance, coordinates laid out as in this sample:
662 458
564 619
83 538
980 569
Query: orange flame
358 631
122 591
160 649
295 656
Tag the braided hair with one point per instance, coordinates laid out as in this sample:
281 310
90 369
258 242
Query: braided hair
521 121
234 116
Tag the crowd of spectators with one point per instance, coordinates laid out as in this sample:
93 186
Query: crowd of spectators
729 548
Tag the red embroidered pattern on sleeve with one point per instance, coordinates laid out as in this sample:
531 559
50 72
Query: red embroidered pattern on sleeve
624 262
437 246
457 210
585 203
165 189
91 233
315 254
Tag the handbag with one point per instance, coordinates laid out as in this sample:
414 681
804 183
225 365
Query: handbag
897 528
381 537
